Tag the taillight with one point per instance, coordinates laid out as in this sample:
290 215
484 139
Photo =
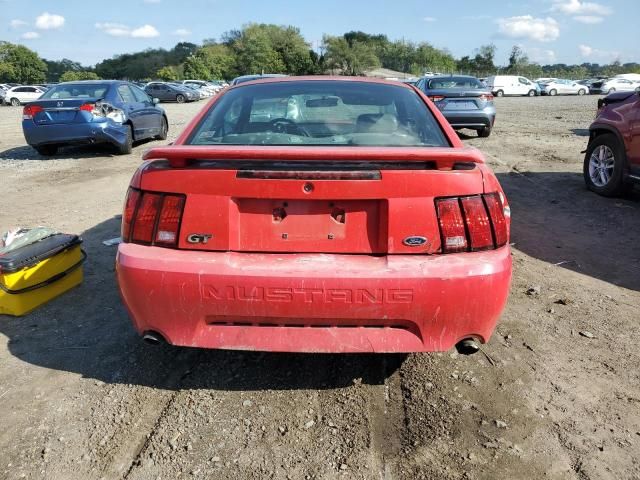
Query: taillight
436 98
30 111
451 222
169 221
130 205
152 218
487 97
87 107
472 223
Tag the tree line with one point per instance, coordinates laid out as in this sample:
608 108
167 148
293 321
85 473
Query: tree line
258 48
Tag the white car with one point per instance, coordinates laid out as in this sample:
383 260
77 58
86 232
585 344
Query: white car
618 84
511 85
203 87
563 87
16 96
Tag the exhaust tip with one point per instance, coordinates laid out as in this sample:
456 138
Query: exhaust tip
468 346
153 338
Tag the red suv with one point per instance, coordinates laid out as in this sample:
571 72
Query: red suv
612 160
316 215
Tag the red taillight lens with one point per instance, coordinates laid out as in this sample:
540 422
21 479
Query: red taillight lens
477 221
152 218
487 97
472 223
436 98
30 111
145 219
169 222
451 223
499 222
130 205
87 107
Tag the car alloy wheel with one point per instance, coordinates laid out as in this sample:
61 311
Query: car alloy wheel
532 93
15 102
601 165
553 92
581 92
499 93
180 99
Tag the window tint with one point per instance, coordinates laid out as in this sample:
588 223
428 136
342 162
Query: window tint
78 90
454 82
320 113
139 95
126 94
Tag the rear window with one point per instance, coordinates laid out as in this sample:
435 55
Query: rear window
320 113
80 90
454 82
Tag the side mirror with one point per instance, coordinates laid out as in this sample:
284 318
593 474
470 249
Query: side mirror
155 101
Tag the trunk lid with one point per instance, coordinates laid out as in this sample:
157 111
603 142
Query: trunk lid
460 99
63 111
312 200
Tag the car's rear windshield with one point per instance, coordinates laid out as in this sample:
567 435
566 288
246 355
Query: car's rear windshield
454 82
77 90
318 112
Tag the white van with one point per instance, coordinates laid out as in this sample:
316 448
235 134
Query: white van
512 85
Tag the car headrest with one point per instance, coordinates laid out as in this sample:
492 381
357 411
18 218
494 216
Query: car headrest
376 123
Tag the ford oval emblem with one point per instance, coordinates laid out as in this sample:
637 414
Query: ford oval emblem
414 241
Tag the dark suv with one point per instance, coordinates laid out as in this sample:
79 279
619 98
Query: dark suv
612 160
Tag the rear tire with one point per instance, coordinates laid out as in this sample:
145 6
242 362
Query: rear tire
611 90
127 148
581 92
499 93
603 167
532 93
180 98
553 92
164 130
15 102
47 150
484 132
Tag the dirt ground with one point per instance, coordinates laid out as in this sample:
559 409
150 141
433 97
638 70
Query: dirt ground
554 394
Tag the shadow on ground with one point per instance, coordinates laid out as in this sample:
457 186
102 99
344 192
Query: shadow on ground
101 150
88 332
557 220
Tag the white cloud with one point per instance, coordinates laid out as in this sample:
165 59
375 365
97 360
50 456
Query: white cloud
541 55
49 21
146 31
588 19
114 29
17 23
181 32
121 30
595 54
429 19
526 26
576 7
583 12
30 35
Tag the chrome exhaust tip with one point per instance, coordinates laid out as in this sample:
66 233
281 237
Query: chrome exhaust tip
468 346
153 338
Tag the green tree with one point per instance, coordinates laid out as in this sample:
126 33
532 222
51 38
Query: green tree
350 59
196 68
219 60
74 76
168 74
22 65
255 53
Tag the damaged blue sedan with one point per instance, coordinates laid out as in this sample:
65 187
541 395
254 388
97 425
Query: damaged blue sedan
92 112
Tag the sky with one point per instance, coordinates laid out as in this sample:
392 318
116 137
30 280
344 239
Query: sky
550 31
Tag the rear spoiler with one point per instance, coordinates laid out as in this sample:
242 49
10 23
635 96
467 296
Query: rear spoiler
445 158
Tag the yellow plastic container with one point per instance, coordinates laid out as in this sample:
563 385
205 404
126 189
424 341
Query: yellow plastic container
35 274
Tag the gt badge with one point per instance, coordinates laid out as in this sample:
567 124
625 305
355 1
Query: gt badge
199 238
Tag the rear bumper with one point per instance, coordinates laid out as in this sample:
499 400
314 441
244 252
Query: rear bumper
313 302
74 133
471 119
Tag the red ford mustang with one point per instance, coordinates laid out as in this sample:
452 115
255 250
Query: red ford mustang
316 214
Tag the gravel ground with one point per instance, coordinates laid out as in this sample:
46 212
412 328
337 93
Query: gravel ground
554 394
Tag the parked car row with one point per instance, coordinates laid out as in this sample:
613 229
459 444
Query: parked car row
16 95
